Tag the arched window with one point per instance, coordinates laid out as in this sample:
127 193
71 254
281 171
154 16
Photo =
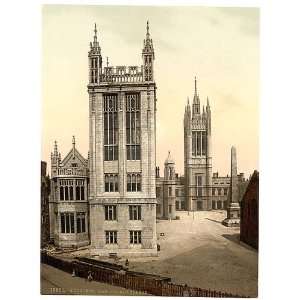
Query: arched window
133 181
128 183
77 193
66 193
82 192
71 192
62 193
138 182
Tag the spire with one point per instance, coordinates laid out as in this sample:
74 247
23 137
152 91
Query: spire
95 35
195 86
73 143
55 148
148 46
207 101
95 48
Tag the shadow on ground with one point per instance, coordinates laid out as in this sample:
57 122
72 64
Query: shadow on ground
236 239
214 220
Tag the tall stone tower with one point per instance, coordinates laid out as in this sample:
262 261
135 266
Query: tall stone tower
197 154
122 130
169 188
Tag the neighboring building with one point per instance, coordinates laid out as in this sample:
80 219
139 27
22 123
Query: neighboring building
45 193
197 155
249 212
122 124
69 199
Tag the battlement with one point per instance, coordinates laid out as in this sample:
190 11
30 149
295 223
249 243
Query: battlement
120 74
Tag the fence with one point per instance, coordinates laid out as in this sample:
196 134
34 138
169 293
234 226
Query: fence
129 281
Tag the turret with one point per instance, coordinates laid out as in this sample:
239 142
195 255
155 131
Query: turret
95 60
148 57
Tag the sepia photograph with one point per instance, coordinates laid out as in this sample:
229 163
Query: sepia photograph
150 150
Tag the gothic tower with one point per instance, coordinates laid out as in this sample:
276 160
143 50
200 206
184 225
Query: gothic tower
122 155
197 154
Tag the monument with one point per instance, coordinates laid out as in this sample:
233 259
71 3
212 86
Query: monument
233 209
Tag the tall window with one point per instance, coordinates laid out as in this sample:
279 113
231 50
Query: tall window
157 191
176 192
110 212
80 222
94 70
198 179
135 237
133 126
225 191
66 189
67 222
133 182
170 191
111 127
79 189
111 237
111 182
135 212
198 143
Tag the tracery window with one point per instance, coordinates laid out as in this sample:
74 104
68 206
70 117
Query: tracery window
198 143
133 126
111 127
67 222
80 222
133 182
111 182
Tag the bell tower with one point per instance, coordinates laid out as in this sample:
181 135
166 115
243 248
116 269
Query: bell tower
197 154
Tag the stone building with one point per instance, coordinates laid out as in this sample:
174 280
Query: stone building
111 200
122 135
68 205
45 193
249 212
197 154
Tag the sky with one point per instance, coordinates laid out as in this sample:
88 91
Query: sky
220 46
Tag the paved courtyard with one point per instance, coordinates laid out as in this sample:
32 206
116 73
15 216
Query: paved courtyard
200 251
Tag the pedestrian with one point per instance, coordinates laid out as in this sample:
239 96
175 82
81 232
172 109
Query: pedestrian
90 277
127 262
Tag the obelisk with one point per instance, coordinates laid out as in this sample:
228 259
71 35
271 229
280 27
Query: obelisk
233 209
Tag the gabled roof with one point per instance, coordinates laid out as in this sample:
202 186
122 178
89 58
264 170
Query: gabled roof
74 156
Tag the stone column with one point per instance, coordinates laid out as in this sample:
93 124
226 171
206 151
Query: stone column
233 209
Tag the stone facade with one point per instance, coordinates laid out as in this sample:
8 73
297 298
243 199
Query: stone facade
122 124
68 203
45 194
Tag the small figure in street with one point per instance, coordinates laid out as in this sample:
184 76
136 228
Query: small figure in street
90 277
73 273
127 262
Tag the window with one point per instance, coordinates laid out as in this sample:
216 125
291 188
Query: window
219 191
110 212
67 222
74 165
158 207
133 127
111 237
80 222
111 182
111 127
133 182
170 191
135 212
94 70
135 237
177 205
182 205
225 191
199 205
157 191
213 190
170 209
198 143
198 180
176 192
